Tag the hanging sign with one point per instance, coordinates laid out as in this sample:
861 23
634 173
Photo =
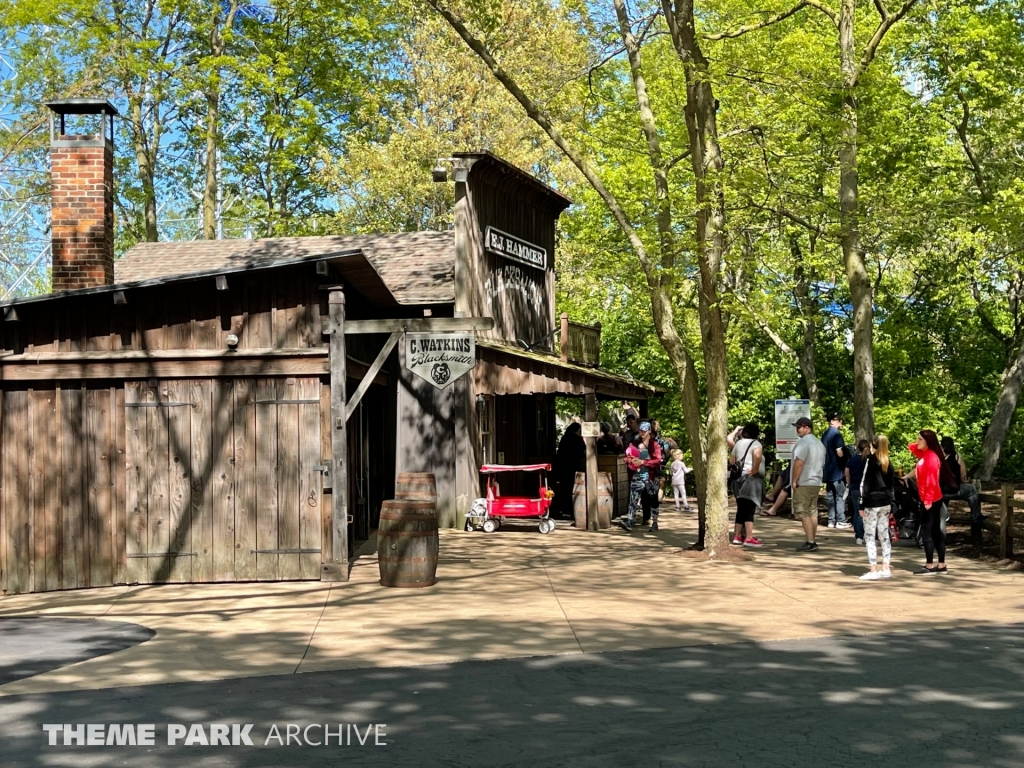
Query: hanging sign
440 358
787 412
513 248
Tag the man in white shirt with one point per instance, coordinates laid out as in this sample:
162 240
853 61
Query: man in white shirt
808 466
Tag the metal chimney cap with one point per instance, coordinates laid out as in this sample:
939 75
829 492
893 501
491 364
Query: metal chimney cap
82 107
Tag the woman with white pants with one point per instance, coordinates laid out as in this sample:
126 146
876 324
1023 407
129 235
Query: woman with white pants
876 496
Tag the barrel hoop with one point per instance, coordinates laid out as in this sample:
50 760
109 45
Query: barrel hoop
406 534
407 559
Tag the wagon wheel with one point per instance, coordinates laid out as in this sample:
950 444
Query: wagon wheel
469 526
490 525
546 526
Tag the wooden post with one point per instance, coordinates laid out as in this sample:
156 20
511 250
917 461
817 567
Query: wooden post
1006 521
591 415
335 565
563 338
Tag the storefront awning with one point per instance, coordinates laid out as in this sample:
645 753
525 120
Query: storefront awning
507 370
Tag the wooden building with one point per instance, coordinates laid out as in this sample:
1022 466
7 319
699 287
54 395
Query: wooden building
183 416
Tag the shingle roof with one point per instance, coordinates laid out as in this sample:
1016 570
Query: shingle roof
417 267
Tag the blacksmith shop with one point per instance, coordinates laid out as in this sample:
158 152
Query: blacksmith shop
235 410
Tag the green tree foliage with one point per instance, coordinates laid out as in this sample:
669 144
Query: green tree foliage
329 116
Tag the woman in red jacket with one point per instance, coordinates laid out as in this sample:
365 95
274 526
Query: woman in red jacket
932 474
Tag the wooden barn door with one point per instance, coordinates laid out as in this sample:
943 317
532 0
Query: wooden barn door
223 480
288 489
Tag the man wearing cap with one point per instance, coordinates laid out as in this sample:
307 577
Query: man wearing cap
834 478
808 465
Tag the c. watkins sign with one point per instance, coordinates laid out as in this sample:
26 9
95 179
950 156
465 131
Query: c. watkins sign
513 248
440 358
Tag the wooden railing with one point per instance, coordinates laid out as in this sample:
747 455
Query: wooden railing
1009 526
580 344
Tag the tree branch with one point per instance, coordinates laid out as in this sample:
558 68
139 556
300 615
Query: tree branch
965 142
769 332
887 23
774 20
986 321
543 120
654 154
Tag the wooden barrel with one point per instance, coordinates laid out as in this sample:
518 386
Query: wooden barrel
605 500
407 543
416 486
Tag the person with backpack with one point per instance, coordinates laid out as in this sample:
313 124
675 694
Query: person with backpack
875 494
854 474
833 473
932 474
747 476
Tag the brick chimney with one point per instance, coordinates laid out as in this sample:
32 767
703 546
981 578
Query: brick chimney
82 197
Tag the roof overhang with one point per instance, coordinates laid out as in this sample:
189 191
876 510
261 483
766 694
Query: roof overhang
352 265
506 370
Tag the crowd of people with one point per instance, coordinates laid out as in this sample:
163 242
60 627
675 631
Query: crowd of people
861 485
863 482
654 463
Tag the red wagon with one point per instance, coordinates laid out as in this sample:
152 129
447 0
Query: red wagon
489 513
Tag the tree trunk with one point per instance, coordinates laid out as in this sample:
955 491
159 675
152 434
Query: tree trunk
210 188
707 163
853 257
662 283
808 311
212 92
144 160
1002 415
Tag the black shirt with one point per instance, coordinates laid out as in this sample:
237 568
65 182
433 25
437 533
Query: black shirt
953 462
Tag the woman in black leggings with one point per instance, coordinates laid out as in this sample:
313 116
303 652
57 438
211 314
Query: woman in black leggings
932 473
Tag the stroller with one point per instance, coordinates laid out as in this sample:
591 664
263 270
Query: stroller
909 512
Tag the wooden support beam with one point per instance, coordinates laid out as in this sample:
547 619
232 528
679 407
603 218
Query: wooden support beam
420 324
335 566
590 414
166 369
1006 509
375 367
563 337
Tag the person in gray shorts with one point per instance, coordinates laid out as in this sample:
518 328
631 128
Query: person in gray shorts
808 466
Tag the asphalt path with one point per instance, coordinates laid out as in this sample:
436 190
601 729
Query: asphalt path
31 645
935 698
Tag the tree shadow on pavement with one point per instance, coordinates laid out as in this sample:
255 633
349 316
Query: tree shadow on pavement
938 697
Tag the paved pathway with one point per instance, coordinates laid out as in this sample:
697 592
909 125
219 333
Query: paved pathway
520 594
941 698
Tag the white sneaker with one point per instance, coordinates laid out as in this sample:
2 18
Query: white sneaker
831 525
844 525
859 542
886 574
871 576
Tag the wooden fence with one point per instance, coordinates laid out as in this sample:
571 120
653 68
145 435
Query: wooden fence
1008 526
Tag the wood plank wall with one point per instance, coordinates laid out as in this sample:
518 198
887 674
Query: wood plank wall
276 309
195 477
62 469
221 480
